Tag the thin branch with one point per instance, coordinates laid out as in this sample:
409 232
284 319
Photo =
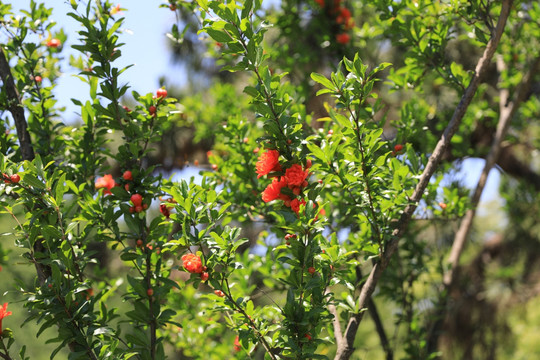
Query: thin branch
507 112
347 345
258 333
372 308
338 334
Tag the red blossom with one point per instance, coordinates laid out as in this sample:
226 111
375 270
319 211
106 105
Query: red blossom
192 263
273 191
106 182
295 175
54 43
343 38
164 210
344 16
268 162
3 314
295 205
237 346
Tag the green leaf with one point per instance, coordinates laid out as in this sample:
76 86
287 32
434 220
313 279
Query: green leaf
317 152
218 35
33 181
323 81
203 4
129 256
60 189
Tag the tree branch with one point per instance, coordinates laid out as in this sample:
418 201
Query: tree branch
507 111
15 108
347 346
338 334
372 308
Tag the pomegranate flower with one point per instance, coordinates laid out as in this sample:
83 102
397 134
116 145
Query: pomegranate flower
164 210
106 182
343 38
237 346
273 191
295 175
295 205
3 314
267 163
192 263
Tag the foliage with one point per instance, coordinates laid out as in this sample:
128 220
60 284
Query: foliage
308 200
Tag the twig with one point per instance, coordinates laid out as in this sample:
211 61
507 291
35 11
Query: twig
347 345
238 308
5 356
372 308
507 111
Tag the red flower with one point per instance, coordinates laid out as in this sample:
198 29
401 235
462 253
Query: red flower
106 182
343 38
164 210
204 276
219 293
344 15
3 314
273 191
237 346
54 43
192 263
268 162
295 175
320 2
295 205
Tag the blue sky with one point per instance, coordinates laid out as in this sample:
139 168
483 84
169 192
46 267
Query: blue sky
145 46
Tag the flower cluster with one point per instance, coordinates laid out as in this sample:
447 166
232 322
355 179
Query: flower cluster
293 178
13 179
342 17
138 205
